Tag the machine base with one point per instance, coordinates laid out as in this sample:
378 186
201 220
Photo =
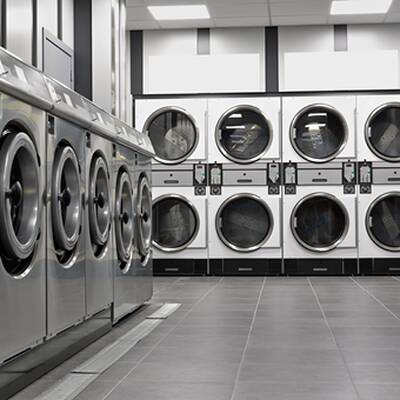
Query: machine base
20 372
171 267
380 266
320 266
237 266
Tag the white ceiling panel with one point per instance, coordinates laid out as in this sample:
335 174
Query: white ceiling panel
246 21
283 20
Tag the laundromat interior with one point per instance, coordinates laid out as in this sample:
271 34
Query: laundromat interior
200 199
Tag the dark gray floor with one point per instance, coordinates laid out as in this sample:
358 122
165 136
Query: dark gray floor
255 338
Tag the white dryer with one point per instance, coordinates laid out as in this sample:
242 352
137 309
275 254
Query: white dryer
244 130
318 129
320 221
245 225
176 127
379 222
378 128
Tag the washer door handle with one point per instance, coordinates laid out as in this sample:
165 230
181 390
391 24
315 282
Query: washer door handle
370 222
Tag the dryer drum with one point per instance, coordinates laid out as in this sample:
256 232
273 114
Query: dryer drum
66 199
319 133
99 201
319 222
175 223
124 214
20 197
243 134
144 214
244 222
383 221
382 132
173 133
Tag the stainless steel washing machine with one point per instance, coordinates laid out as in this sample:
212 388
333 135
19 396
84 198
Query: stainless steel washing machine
66 244
22 214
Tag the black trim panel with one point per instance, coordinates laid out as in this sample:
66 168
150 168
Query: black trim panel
246 267
136 63
271 60
3 28
379 266
340 37
320 266
172 267
203 41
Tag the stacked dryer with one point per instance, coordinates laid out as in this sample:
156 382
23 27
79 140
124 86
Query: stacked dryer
320 199
177 130
378 133
244 176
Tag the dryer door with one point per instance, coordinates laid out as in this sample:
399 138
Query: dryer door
66 199
243 134
320 222
382 132
383 221
144 213
244 222
20 200
173 133
99 201
319 133
176 223
124 218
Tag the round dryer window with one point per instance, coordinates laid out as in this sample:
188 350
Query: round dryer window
175 223
244 222
173 133
319 222
20 201
144 212
243 134
383 132
99 201
318 133
383 221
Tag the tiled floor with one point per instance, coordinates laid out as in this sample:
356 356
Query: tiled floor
261 339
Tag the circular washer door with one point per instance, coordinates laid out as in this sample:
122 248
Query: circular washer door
124 217
144 212
382 132
319 222
243 134
244 222
173 133
20 197
318 133
66 199
383 221
99 201
176 223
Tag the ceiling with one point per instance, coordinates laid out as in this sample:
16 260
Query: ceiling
230 13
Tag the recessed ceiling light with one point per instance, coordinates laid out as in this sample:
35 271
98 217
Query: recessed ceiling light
199 11
343 7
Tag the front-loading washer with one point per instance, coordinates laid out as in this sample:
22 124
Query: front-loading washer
244 223
320 219
379 220
244 130
318 129
176 128
180 220
378 128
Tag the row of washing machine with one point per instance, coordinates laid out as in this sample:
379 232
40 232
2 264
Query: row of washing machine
75 210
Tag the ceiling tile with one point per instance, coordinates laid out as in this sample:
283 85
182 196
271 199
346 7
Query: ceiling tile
141 25
138 13
249 21
135 3
238 10
299 20
202 23
313 7
358 19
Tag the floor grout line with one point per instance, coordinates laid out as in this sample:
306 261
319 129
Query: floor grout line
375 298
161 290
333 336
161 340
396 278
248 339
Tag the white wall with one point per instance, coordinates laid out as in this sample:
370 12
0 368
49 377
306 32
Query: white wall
47 18
68 22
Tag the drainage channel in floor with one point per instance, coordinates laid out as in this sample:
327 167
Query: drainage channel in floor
82 376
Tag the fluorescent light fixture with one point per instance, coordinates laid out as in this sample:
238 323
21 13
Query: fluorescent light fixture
351 7
198 11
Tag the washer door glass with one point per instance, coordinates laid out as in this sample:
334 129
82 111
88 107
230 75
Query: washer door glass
244 222
319 133
99 201
383 132
124 217
243 134
175 223
66 199
20 197
319 222
173 133
383 222
144 216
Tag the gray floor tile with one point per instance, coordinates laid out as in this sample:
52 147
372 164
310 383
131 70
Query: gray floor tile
379 391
